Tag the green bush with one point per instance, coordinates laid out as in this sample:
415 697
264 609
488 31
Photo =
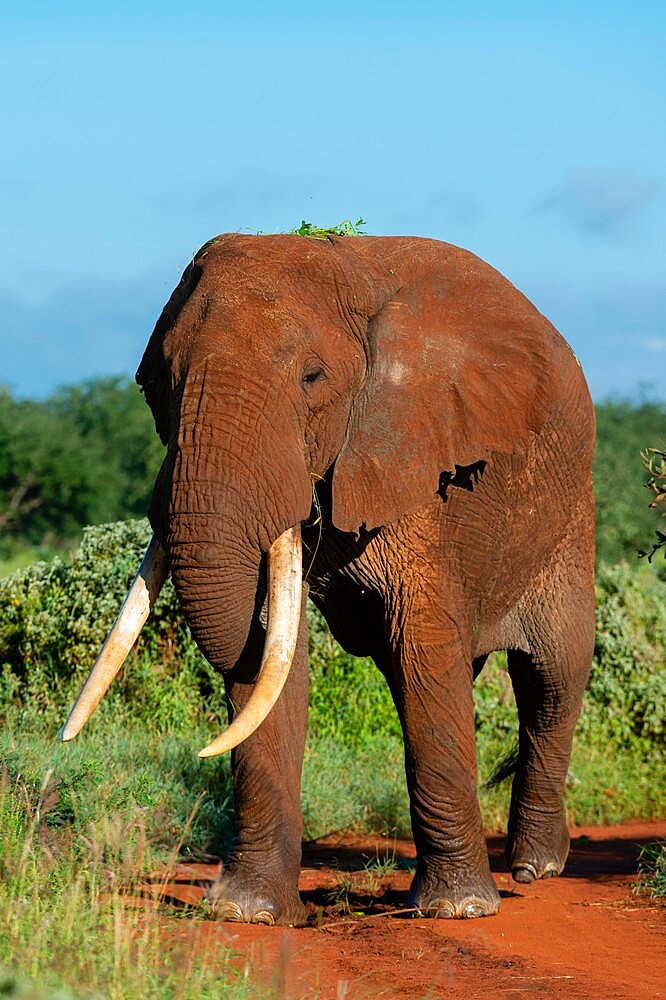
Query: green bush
625 522
349 698
654 460
54 617
137 754
85 455
626 695
57 612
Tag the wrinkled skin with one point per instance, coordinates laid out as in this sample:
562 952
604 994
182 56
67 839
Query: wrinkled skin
449 432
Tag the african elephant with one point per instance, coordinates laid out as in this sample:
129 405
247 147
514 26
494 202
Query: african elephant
443 430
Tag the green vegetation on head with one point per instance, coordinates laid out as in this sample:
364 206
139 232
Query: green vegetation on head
345 228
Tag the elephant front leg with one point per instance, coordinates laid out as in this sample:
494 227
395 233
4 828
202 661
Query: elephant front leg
434 696
259 882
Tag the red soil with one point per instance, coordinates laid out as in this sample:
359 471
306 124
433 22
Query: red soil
584 935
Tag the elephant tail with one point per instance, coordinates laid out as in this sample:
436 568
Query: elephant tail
503 769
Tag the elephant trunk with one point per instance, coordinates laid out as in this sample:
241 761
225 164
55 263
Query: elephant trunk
218 513
285 581
216 573
215 519
218 584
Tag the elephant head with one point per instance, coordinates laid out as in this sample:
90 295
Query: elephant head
280 358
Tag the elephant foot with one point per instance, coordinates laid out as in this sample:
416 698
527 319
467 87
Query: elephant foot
455 897
251 900
525 872
539 852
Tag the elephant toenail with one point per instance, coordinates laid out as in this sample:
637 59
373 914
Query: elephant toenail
263 917
524 872
228 911
441 908
473 908
551 870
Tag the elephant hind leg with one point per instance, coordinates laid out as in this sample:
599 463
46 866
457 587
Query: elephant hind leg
548 682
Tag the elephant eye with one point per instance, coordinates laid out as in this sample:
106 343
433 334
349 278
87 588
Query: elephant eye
313 374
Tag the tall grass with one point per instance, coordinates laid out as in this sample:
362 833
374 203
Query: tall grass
66 928
79 822
652 870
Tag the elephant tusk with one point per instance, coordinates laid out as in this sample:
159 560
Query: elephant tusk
285 583
136 607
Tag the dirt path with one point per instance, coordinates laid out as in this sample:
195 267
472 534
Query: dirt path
583 936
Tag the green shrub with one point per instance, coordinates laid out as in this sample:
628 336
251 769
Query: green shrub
54 617
625 522
58 612
349 698
626 695
654 460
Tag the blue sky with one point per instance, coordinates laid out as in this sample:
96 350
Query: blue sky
533 134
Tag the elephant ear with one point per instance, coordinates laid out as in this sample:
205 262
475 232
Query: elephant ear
458 370
154 372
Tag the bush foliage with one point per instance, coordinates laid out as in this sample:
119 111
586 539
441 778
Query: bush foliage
54 616
654 460
627 689
625 521
86 455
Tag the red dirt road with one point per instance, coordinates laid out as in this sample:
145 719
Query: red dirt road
584 935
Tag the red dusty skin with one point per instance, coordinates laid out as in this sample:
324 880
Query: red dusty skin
454 432
285 578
